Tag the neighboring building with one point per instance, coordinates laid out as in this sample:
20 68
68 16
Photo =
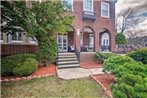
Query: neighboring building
93 30
138 42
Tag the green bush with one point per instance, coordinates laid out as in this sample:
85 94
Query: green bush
27 67
120 39
139 55
112 63
102 56
10 62
131 81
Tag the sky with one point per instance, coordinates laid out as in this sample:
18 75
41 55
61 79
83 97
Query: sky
140 6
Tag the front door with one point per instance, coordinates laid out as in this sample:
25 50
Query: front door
62 43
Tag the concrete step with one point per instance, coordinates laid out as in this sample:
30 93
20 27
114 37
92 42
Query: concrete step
67 59
68 53
68 66
67 56
67 62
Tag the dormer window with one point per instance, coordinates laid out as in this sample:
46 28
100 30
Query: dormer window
88 5
105 10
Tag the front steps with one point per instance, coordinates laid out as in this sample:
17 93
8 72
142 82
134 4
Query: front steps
67 60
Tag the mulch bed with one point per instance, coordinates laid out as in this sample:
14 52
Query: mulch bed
105 80
41 71
88 65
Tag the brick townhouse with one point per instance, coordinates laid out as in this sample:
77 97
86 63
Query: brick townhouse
92 30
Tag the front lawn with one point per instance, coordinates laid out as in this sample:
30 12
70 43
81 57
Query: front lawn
53 87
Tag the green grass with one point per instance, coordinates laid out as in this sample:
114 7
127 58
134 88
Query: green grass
53 87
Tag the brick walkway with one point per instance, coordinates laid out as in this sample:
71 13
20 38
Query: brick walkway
88 65
104 80
49 70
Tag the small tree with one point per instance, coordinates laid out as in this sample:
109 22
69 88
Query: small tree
42 21
120 39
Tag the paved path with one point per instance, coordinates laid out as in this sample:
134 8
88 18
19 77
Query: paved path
74 73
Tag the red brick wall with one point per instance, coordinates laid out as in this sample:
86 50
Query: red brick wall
70 38
9 49
87 57
98 24
86 39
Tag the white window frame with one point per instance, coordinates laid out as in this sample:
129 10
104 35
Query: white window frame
32 42
71 4
84 6
105 38
15 41
105 3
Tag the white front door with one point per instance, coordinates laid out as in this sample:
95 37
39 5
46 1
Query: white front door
62 43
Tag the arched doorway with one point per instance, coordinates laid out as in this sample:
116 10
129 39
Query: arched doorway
105 41
87 39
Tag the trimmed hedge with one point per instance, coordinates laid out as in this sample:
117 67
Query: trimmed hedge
130 76
102 56
10 62
27 68
139 55
131 81
111 63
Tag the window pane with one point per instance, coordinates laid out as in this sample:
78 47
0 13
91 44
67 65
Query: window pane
14 36
105 9
19 36
1 37
88 5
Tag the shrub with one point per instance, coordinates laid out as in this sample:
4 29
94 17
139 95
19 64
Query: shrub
27 67
112 63
131 81
139 55
120 39
10 62
102 56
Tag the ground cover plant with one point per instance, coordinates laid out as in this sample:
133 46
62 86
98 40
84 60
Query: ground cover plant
130 77
53 87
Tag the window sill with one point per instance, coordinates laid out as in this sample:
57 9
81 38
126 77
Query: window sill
106 17
16 41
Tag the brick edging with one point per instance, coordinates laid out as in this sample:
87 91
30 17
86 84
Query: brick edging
25 78
107 92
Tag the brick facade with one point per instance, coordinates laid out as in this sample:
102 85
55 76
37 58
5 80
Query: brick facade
97 26
11 49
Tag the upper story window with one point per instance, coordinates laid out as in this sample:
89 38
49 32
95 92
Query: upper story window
68 5
16 37
88 5
105 10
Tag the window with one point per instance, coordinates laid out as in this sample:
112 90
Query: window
105 11
32 40
105 39
88 5
91 40
16 37
1 37
68 5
